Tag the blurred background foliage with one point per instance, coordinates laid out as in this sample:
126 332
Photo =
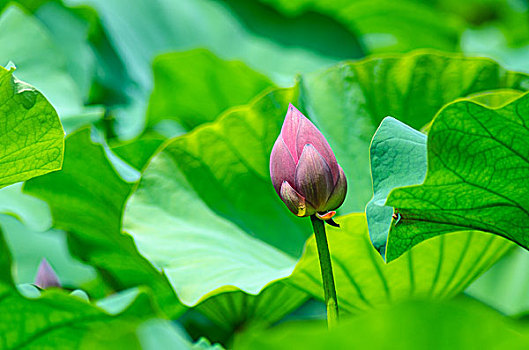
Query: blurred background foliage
141 72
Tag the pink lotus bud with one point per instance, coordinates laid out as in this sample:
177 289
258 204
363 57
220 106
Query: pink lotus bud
304 170
46 277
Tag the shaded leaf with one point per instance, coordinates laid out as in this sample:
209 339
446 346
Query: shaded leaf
458 324
411 25
61 321
139 151
234 311
86 200
21 35
161 334
505 286
398 158
194 87
140 32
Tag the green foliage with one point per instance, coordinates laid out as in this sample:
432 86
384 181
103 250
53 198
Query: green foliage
194 199
233 311
410 88
411 325
166 199
411 25
194 87
86 200
21 35
29 246
221 198
504 286
477 168
398 158
31 135
62 321
439 268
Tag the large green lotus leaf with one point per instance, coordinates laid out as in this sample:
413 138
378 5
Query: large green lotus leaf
31 135
384 25
505 286
435 269
86 200
194 87
456 324
477 167
398 158
21 35
205 211
348 102
61 321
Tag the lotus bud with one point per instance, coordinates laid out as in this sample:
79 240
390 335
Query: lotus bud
46 276
304 170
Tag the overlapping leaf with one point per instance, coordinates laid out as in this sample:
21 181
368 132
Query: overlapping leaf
436 269
63 321
232 311
477 168
86 199
208 216
195 198
281 49
504 286
194 87
398 158
28 247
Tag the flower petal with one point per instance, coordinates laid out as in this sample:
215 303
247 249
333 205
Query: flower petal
282 165
295 201
338 194
290 129
46 277
309 134
314 177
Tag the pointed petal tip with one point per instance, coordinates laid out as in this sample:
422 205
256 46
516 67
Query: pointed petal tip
46 276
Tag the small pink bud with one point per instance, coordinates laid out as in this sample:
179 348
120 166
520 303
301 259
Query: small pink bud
46 276
304 170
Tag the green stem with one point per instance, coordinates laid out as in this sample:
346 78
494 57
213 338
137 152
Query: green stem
329 289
